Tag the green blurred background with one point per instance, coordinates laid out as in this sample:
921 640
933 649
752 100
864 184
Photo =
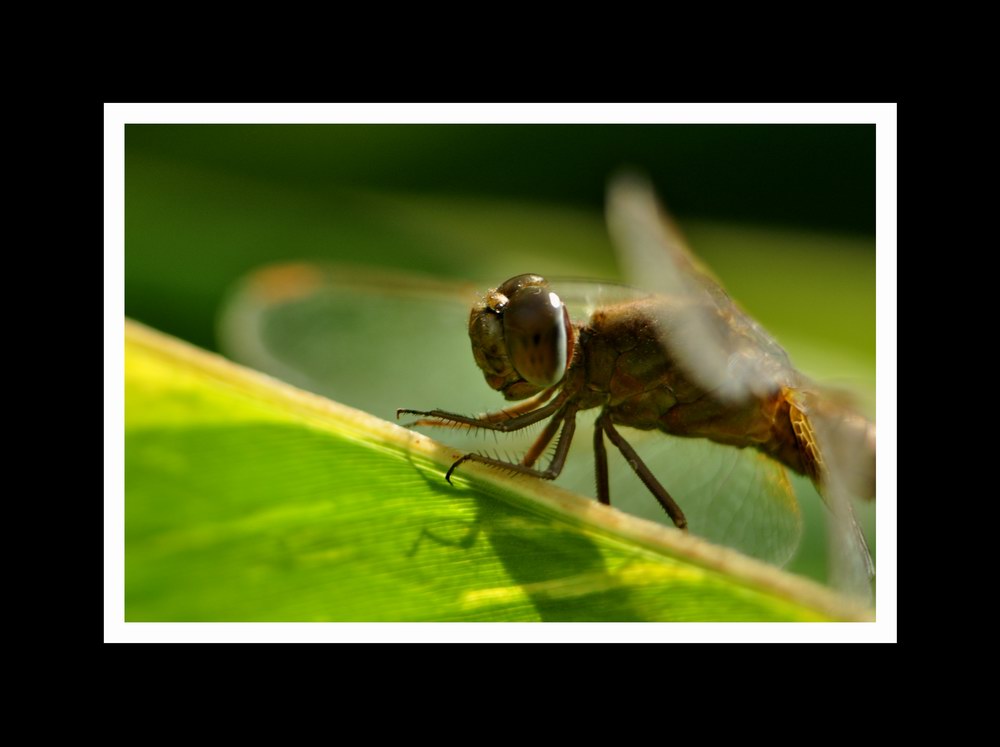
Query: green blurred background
205 203
784 214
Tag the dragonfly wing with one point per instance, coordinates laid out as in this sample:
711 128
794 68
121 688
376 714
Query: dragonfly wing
733 497
842 446
370 339
717 343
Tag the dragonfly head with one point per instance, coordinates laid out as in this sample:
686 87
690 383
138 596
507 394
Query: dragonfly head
521 336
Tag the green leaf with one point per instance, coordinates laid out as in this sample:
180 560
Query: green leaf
250 500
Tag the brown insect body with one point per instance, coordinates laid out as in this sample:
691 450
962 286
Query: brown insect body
686 360
622 365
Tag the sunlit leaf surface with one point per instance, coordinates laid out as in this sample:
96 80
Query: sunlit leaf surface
247 499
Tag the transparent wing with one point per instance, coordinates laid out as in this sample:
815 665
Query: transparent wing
379 341
369 338
719 345
845 471
733 497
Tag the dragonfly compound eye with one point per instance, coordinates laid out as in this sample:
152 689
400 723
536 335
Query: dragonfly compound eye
536 330
486 332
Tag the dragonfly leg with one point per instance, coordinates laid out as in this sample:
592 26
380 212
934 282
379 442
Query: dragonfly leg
520 409
498 421
567 416
601 466
669 505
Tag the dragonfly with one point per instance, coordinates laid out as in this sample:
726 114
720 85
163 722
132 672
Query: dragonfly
714 413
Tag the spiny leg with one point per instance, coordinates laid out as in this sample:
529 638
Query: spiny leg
647 477
522 407
551 428
490 421
499 416
568 415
